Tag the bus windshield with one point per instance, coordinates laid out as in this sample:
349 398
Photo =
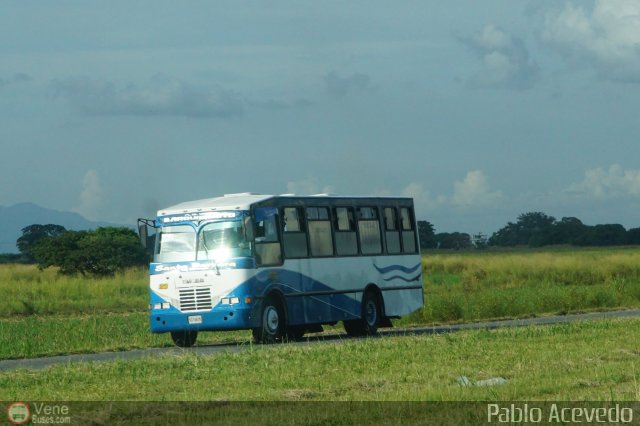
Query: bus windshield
175 244
215 241
223 240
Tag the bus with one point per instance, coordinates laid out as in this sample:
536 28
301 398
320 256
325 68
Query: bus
283 265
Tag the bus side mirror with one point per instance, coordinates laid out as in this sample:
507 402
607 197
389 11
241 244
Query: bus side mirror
143 231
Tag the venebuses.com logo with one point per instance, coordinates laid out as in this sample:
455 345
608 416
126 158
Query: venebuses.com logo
19 413
45 413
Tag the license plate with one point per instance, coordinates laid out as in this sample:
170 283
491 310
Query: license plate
195 319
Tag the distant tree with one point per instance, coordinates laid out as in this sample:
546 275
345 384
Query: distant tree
508 236
568 230
453 240
102 252
11 258
33 234
62 251
603 235
536 228
426 234
633 236
533 229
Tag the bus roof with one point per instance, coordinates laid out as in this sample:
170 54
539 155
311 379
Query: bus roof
244 201
241 201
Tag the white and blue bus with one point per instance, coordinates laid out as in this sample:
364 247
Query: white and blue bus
283 265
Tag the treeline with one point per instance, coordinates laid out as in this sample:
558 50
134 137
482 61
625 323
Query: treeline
100 252
534 229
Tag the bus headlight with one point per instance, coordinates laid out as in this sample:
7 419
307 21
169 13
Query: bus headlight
164 305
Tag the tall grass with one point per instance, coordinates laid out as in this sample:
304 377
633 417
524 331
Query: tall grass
27 290
461 287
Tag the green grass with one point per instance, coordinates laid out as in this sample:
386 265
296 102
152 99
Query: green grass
28 291
34 336
591 360
482 285
45 313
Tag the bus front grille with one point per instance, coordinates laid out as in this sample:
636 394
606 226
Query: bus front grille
195 299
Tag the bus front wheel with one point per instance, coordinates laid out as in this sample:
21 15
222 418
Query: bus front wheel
185 338
369 321
273 322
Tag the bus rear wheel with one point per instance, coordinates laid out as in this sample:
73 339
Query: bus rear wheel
184 338
273 322
370 317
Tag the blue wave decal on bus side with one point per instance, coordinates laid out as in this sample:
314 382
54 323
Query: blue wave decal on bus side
401 268
407 280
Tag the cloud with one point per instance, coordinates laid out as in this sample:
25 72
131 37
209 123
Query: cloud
16 78
474 190
506 62
279 104
161 97
421 196
606 37
91 197
340 87
614 182
308 186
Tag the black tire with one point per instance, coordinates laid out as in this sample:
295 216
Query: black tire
273 322
370 317
185 338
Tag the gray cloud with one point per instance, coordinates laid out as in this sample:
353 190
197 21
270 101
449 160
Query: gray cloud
16 78
506 62
606 37
161 97
341 86
279 104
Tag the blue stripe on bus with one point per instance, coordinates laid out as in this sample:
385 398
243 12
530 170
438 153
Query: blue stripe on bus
397 268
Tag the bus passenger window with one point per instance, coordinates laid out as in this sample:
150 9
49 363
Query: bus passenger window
392 235
408 233
320 239
292 220
369 228
346 240
295 236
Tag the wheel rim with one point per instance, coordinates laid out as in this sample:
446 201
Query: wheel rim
271 320
371 312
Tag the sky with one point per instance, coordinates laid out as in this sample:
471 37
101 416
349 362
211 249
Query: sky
479 110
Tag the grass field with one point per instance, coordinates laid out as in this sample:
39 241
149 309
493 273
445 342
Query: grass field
49 314
480 285
591 360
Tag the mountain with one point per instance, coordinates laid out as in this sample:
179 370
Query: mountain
18 216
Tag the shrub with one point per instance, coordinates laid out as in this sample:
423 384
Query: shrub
102 252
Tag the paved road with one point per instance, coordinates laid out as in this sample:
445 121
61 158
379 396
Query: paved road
39 363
